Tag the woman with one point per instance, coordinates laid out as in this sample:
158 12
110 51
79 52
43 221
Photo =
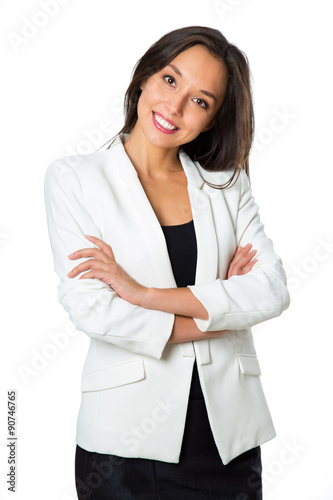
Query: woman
163 229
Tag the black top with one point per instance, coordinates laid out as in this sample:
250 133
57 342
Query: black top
182 247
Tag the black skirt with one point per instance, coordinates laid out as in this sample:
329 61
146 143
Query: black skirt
200 473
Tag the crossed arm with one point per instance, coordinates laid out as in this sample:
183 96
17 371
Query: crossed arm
116 309
179 301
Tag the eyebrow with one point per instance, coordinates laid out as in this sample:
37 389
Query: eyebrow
209 94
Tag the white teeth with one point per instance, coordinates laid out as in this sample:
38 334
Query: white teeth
164 123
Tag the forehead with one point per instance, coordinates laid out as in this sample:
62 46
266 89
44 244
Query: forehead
200 67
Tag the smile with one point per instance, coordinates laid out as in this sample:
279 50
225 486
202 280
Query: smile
163 125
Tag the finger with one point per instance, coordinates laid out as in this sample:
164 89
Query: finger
238 268
101 244
104 276
248 266
89 264
240 252
89 275
97 273
245 259
242 259
90 252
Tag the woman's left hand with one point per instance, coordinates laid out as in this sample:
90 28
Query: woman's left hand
105 268
242 262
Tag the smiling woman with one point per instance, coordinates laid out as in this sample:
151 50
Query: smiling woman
165 230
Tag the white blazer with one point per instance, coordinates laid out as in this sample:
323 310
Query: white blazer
135 386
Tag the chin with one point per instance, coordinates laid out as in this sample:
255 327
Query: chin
158 139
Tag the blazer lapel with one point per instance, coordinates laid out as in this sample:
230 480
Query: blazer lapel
203 222
145 217
207 259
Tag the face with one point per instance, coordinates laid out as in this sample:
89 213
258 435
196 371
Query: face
180 101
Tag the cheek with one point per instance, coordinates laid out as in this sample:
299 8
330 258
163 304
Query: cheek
196 121
151 94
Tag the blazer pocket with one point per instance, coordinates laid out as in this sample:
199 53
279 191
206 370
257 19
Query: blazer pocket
113 376
249 364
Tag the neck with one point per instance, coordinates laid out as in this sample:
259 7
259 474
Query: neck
149 160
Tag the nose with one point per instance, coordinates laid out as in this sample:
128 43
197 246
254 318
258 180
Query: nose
175 104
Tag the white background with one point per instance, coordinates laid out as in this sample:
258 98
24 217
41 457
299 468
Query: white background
63 75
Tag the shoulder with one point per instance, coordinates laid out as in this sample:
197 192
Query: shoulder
77 163
76 169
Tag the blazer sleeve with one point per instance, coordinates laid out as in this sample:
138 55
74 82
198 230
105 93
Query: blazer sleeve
93 306
243 301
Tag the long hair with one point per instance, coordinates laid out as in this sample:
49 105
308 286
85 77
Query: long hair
227 144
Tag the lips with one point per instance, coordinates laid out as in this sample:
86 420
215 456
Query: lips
164 125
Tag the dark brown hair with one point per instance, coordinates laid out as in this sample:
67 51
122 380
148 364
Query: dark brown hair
227 144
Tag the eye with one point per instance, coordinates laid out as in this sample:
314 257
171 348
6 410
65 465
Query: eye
167 79
202 103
